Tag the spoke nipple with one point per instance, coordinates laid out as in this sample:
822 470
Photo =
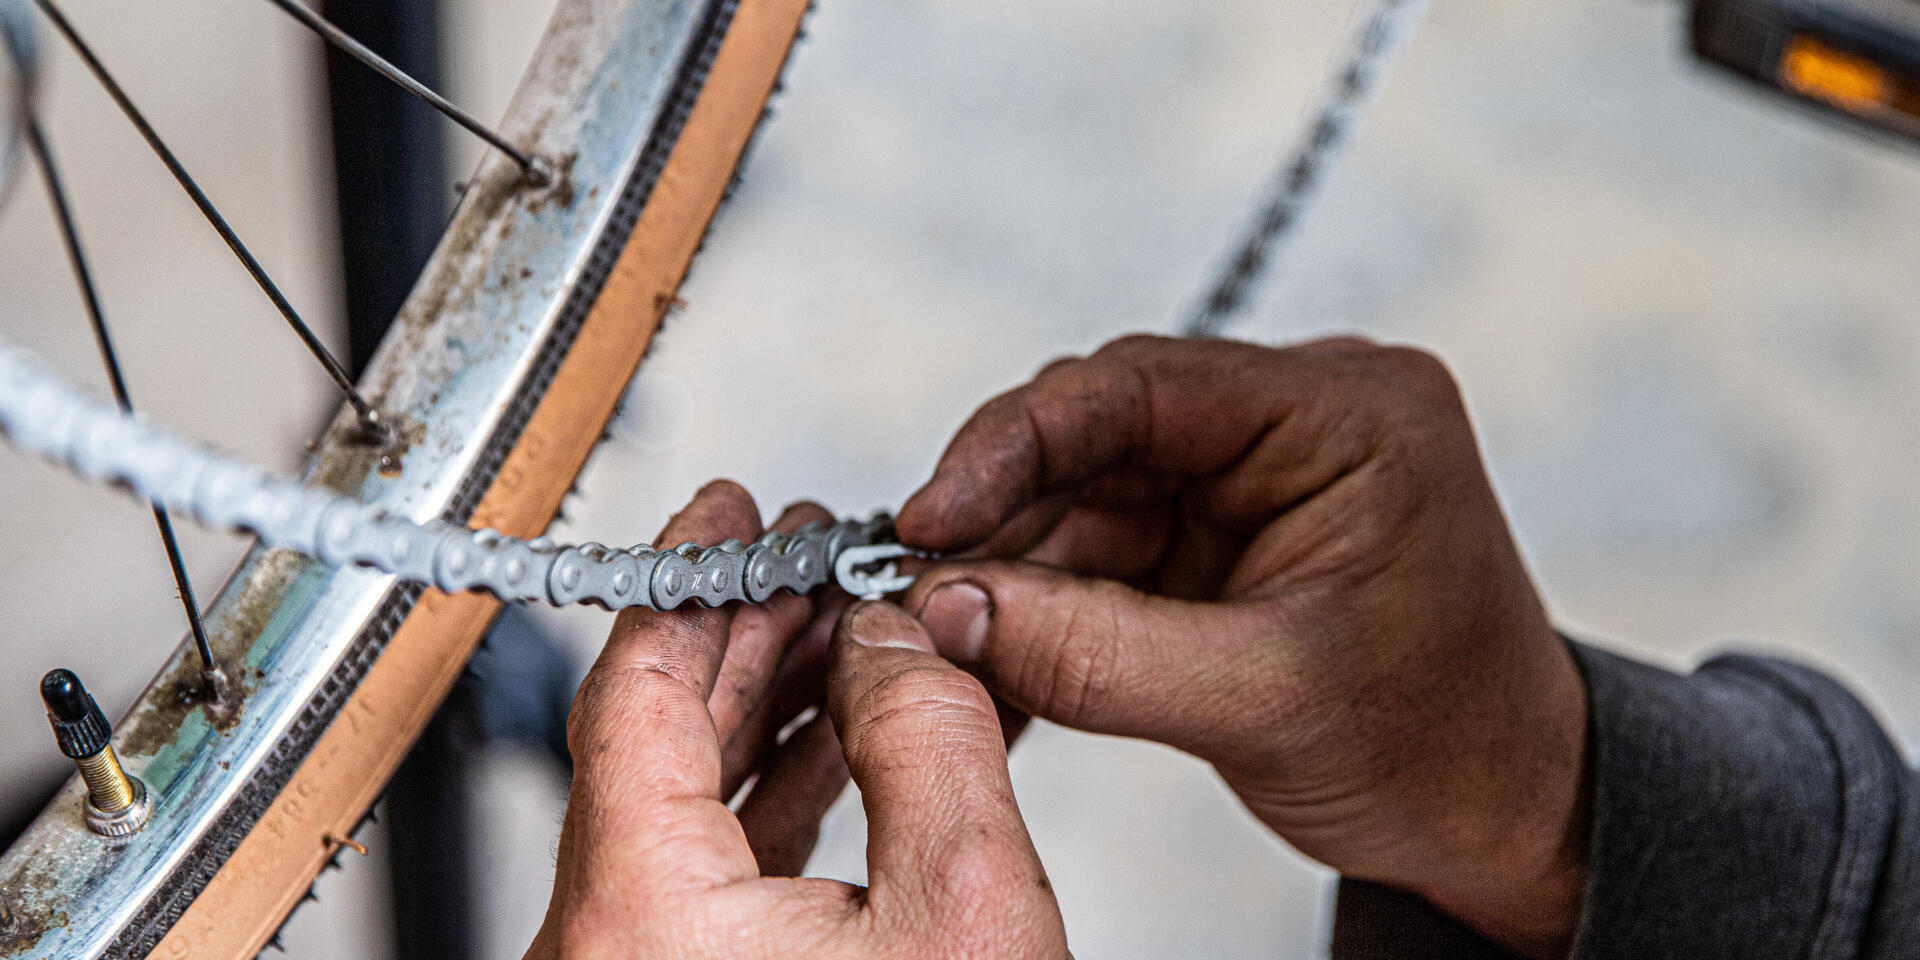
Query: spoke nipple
214 685
538 172
117 804
373 425
338 843
371 429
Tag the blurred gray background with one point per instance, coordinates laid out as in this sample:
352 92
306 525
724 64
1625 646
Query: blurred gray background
1685 321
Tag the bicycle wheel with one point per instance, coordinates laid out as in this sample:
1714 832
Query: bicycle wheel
500 375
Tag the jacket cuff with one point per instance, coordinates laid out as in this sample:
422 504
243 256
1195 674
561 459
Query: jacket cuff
1743 811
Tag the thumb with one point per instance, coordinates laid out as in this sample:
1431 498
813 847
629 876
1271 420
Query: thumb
946 844
1096 654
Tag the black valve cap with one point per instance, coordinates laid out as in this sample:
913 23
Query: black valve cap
78 724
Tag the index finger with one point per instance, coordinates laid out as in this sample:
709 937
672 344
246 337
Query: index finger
645 751
1185 408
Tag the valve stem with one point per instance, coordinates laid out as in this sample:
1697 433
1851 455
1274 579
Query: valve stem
117 804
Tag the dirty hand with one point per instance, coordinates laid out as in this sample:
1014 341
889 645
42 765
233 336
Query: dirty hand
681 706
1289 563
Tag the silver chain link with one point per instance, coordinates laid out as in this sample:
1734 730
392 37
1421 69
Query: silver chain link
42 414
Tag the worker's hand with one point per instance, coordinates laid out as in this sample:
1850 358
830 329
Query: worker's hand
652 864
1289 563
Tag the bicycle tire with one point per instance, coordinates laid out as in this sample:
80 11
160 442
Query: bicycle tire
255 795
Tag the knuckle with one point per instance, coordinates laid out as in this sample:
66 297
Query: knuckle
1134 344
1004 406
1079 678
627 926
589 702
1422 375
1407 404
723 487
981 871
1068 377
996 901
616 696
998 437
1430 424
586 934
1380 532
916 702
801 511
1057 363
1083 668
1343 342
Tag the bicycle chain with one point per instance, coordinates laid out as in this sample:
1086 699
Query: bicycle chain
42 414
19 73
1348 93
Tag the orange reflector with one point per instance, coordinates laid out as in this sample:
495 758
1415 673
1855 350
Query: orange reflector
1814 69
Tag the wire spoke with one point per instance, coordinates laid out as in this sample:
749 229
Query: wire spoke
369 418
535 170
109 358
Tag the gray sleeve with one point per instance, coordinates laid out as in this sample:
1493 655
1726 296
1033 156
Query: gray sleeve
1751 809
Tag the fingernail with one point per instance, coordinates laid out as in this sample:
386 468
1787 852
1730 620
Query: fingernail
956 616
885 625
